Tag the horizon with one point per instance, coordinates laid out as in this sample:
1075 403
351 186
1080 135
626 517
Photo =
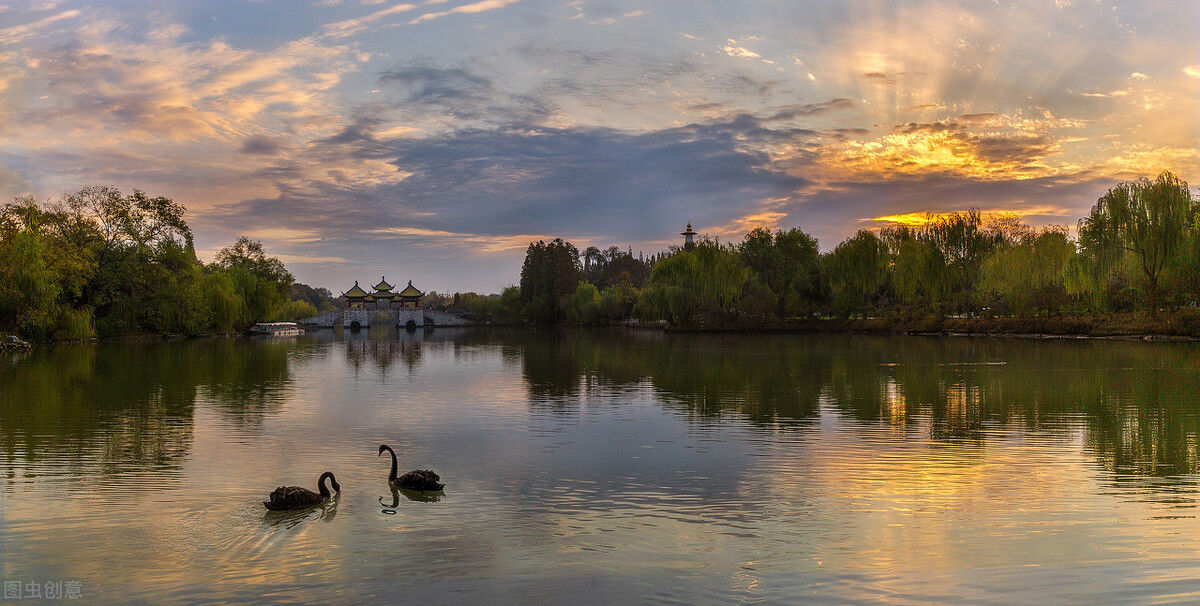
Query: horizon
433 141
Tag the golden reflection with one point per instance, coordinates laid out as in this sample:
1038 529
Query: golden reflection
972 457
897 405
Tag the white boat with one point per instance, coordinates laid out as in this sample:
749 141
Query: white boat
277 329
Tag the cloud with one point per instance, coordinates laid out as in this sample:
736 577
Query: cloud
881 77
20 33
262 145
546 126
361 129
461 97
476 7
741 52
986 146
491 191
349 27
171 92
427 85
476 244
811 109
314 260
913 219
835 210
167 32
540 180
764 220
979 117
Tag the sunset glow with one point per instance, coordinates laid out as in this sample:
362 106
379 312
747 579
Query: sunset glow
435 139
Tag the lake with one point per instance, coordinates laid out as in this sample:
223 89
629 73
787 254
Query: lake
606 466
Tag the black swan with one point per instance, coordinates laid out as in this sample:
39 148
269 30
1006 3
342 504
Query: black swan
287 498
418 479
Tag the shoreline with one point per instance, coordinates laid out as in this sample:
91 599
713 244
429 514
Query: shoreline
1181 326
945 334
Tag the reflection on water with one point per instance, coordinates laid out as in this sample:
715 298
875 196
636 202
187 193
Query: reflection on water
680 468
324 512
420 496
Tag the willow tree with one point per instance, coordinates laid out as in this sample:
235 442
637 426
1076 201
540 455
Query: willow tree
918 270
1151 220
963 242
704 282
261 281
857 270
1030 276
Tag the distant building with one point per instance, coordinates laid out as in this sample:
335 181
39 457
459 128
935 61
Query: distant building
410 297
689 236
383 298
383 307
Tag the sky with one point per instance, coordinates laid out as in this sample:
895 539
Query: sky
432 140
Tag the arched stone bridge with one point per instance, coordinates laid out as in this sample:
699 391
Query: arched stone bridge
400 318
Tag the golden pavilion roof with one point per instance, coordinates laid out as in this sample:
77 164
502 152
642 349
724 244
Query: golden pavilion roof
383 285
355 292
411 291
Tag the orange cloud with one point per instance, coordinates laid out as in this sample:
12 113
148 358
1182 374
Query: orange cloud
475 243
765 220
922 219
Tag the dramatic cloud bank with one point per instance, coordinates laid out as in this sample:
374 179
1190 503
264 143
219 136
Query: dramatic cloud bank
433 140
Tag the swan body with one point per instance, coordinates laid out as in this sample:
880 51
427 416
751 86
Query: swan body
286 498
418 479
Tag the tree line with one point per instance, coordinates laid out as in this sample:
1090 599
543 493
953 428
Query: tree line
98 262
1137 250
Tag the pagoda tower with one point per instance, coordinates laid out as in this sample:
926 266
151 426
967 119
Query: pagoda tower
689 236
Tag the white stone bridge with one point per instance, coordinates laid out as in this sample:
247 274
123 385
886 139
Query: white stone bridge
407 318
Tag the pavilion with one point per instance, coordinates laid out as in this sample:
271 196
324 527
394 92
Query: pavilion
384 297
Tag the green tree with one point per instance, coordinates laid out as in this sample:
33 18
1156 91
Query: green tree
611 266
918 270
225 306
29 287
963 243
549 277
787 262
261 281
1149 219
322 300
585 303
698 285
296 310
1031 275
98 261
857 272
617 302
510 303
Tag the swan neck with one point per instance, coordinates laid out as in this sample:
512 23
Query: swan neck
392 475
321 484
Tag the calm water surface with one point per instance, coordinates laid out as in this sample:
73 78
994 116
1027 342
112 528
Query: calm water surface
607 466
